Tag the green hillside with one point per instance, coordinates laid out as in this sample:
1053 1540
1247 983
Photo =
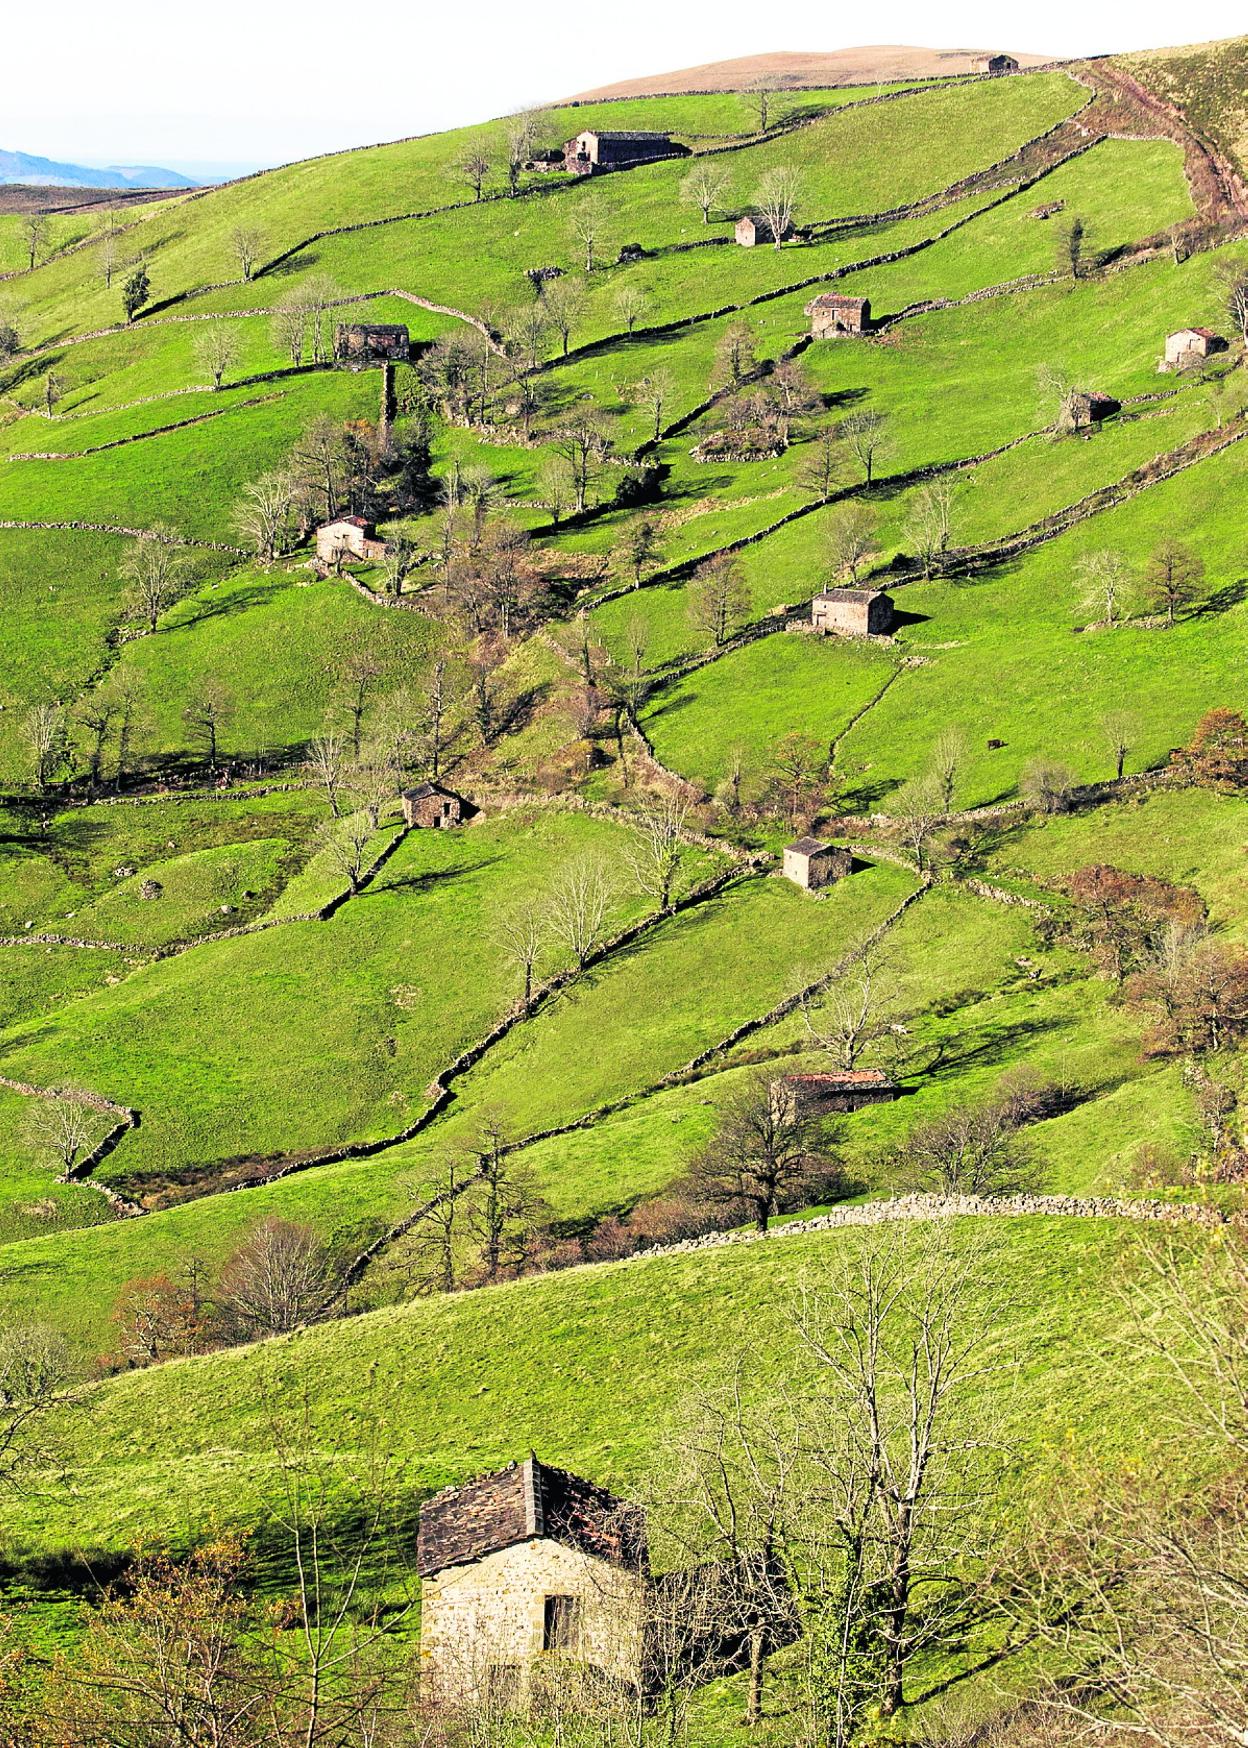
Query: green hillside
612 475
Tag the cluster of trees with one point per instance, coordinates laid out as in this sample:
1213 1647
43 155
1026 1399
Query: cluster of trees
1169 586
334 470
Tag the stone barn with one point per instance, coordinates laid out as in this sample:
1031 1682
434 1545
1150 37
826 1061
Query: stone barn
753 229
1188 345
852 612
348 537
810 863
362 345
522 1568
432 806
1087 407
846 1090
594 151
832 315
994 64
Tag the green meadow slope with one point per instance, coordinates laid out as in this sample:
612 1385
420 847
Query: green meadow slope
182 939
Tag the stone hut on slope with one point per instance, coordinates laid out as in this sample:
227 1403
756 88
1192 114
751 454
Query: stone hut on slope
997 63
363 345
521 1568
599 151
1187 346
1084 408
852 612
348 537
841 1090
810 863
431 806
754 229
832 315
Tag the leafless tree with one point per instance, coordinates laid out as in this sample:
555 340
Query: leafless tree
704 187
776 198
655 855
948 758
520 136
565 304
918 811
766 1156
356 671
276 1279
326 765
54 389
973 1151
1173 577
587 221
582 440
1103 577
263 518
652 392
640 546
1070 248
866 434
216 351
45 733
345 841
36 1387
472 166
577 907
850 540
902 1453
631 303
823 467
35 226
522 931
206 716
246 241
734 356
1046 785
758 98
719 597
852 1017
290 325
502 1207
1119 730
61 1129
1232 276
927 528
154 573
796 769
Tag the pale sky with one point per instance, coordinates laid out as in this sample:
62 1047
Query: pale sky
248 82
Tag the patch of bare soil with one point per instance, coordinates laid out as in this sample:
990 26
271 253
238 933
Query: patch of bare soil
797 69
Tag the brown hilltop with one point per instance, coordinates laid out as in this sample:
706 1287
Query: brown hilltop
795 68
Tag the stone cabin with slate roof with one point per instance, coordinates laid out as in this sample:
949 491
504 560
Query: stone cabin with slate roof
432 806
593 150
1186 345
842 1090
994 64
852 612
361 345
832 315
810 863
521 1568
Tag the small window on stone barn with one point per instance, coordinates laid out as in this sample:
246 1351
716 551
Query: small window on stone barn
561 1623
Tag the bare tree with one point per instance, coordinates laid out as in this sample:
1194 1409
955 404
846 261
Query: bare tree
1232 275
1173 577
823 466
61 1129
263 518
35 226
776 198
356 671
246 241
652 393
326 766
796 769
577 907
766 1156
582 440
850 540
918 811
1070 248
289 325
522 931
734 356
631 303
503 1208
216 351
154 572
973 1151
758 99
472 166
54 389
520 136
587 221
275 1280
655 855
1103 578
851 1017
1046 785
927 527
345 842
565 303
704 187
36 1388
206 716
1119 731
45 733
866 434
719 597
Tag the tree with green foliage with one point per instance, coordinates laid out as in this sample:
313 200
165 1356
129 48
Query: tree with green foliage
136 292
1070 248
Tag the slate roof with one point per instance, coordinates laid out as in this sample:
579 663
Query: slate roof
524 1502
861 596
422 791
811 847
638 133
831 300
843 1077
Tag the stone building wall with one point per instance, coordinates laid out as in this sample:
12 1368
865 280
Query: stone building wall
483 1623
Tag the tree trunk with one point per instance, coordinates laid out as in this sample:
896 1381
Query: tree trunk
758 1669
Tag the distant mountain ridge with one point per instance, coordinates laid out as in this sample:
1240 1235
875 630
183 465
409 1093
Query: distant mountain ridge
23 167
800 67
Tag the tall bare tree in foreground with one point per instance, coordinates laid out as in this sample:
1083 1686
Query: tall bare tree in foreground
62 1128
246 241
776 198
275 1280
655 854
704 187
216 351
154 573
522 931
577 907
